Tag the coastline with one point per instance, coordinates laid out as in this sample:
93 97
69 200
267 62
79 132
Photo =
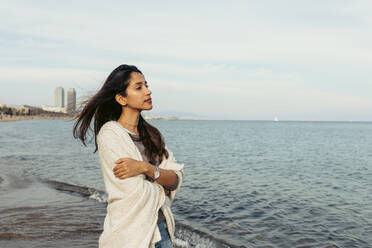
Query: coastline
8 118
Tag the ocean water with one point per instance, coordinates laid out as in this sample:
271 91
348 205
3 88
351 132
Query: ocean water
246 184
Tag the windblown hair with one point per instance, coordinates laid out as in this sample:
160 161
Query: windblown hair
103 107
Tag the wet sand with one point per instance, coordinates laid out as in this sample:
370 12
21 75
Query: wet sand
6 118
42 213
33 214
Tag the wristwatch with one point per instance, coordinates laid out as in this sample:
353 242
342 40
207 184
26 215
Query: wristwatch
156 173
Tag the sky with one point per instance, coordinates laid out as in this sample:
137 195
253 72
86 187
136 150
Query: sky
236 60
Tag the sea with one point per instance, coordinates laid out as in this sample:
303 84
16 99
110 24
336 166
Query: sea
246 184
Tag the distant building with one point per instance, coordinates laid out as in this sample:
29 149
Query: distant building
59 97
71 100
54 109
21 110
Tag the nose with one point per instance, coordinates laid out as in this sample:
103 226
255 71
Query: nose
148 91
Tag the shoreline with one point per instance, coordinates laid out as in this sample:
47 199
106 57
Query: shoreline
10 118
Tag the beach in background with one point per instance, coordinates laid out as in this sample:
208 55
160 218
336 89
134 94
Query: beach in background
4 118
246 184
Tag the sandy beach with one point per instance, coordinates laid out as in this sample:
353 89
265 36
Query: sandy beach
4 118
34 214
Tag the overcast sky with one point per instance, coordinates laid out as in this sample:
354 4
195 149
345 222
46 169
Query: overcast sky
251 60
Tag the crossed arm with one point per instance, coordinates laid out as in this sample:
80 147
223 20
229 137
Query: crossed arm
127 167
110 144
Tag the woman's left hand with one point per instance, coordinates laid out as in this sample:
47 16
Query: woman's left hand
127 167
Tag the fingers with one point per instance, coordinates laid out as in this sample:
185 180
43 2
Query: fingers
122 171
125 167
119 169
120 160
121 175
120 163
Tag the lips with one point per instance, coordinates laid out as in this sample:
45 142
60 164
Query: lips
148 100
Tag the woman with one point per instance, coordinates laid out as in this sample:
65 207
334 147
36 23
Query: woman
140 173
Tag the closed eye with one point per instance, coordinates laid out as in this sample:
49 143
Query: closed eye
138 88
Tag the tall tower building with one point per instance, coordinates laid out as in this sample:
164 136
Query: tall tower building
71 100
59 97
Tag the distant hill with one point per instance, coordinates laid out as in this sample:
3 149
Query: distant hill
173 114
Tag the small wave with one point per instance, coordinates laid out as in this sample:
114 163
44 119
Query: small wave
188 237
99 196
92 193
19 157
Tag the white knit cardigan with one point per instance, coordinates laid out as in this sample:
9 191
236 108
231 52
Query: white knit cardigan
133 203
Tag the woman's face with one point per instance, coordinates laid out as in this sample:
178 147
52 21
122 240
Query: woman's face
138 93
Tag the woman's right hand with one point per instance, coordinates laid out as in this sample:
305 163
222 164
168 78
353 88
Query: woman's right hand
127 167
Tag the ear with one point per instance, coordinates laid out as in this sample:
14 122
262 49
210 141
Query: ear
122 100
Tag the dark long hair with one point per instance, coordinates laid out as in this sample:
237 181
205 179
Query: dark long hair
103 107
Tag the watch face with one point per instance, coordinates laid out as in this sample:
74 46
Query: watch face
157 173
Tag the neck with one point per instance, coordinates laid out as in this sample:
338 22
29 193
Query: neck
129 119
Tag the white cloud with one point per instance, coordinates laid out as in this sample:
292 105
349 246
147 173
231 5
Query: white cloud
284 54
204 35
42 76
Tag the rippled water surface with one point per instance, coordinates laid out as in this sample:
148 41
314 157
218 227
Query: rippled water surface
247 183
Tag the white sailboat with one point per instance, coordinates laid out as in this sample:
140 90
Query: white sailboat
276 118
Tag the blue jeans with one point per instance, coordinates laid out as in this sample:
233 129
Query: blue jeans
165 241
